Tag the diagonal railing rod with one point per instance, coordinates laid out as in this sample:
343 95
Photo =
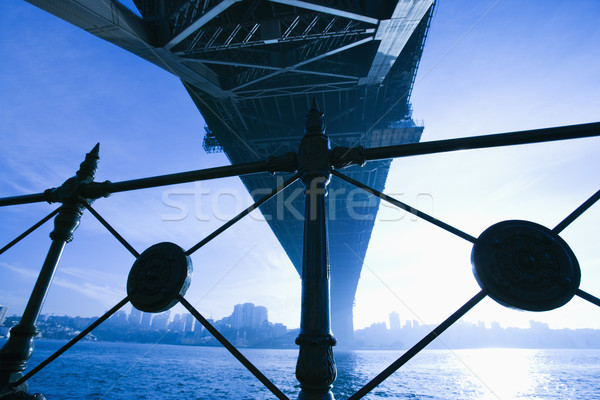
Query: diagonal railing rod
242 214
235 352
406 207
111 229
485 141
586 296
70 343
575 214
28 231
418 347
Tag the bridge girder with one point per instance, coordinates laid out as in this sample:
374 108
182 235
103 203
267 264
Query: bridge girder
253 66
233 48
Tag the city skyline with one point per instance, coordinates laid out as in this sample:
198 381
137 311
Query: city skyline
245 330
246 326
486 68
242 315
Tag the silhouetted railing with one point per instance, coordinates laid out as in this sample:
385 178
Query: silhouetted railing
148 290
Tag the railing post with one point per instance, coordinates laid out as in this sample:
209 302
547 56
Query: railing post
18 349
315 369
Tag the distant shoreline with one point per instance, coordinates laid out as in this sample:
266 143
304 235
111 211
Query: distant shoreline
338 348
462 335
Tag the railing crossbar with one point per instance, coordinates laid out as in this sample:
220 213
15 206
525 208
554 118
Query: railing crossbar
485 141
185 177
25 199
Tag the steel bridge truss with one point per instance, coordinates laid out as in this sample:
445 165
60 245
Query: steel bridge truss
235 49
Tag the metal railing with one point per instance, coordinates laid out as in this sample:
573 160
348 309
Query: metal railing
524 243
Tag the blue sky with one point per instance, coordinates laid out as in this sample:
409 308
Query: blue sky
488 67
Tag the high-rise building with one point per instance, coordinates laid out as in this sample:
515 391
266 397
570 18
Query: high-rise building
160 321
119 319
279 329
3 311
242 315
146 319
178 323
259 315
236 317
135 317
248 316
394 321
189 322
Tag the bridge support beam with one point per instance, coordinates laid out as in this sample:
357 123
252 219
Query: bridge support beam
342 322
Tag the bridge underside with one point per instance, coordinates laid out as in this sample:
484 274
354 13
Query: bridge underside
252 68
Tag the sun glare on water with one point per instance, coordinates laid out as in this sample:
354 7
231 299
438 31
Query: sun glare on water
500 373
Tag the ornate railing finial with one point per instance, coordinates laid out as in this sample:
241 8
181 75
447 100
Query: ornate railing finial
87 169
314 124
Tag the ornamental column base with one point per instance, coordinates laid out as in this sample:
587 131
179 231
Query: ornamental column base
14 355
315 369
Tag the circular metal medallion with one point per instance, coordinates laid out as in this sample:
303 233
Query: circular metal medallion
158 276
525 265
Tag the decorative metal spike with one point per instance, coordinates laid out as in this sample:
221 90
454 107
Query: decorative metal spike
87 169
314 124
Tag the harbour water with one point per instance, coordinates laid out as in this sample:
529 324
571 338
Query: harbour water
128 371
